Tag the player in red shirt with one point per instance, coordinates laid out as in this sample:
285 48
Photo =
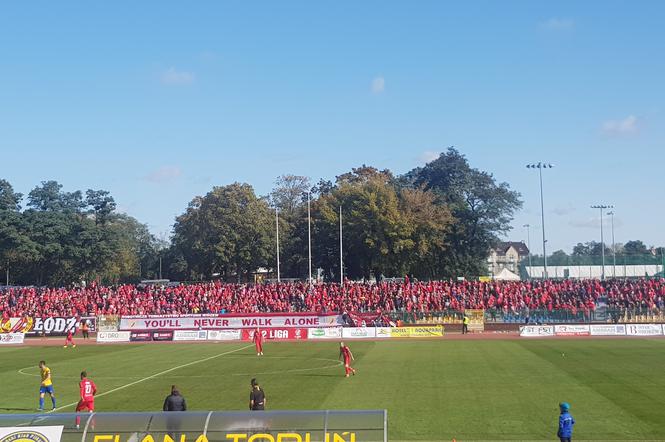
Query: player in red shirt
70 338
258 341
87 392
348 357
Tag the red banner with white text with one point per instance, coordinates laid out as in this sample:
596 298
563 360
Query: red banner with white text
277 334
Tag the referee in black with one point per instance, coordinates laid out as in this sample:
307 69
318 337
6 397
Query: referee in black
257 398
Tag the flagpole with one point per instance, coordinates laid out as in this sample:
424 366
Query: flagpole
277 241
341 261
309 236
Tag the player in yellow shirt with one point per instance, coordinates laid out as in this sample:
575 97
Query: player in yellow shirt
46 385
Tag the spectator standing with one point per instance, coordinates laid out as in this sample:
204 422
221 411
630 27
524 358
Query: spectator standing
566 422
174 401
85 329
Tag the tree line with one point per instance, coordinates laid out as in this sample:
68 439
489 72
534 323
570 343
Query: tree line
634 252
435 221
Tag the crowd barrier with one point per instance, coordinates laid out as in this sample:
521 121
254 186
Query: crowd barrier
531 331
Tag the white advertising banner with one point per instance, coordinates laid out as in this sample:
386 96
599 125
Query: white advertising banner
358 332
534 331
190 335
11 338
383 332
31 434
214 322
224 335
572 330
608 330
113 336
644 329
324 333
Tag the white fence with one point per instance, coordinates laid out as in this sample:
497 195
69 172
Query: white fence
594 271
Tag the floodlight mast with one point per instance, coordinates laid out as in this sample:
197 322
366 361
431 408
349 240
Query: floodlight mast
540 166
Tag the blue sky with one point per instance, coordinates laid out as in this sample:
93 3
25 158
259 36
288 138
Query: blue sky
159 101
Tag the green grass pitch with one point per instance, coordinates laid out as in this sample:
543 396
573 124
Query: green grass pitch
433 390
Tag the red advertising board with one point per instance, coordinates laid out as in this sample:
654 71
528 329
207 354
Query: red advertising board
277 334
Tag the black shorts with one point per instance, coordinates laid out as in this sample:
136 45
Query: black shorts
259 407
564 439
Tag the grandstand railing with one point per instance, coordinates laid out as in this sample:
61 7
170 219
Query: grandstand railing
222 426
607 315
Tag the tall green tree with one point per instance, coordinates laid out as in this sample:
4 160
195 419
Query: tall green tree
228 231
289 196
383 226
62 238
9 199
636 247
481 207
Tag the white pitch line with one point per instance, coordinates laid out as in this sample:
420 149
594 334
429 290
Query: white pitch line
155 375
337 363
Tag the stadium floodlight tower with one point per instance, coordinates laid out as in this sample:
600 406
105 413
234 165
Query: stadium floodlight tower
540 167
614 247
602 207
528 243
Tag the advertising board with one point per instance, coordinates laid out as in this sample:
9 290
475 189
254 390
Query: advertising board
219 322
31 434
433 331
644 329
608 329
383 332
50 326
11 338
426 332
476 319
140 336
108 323
324 333
358 332
276 334
113 336
190 335
162 335
224 335
572 330
534 331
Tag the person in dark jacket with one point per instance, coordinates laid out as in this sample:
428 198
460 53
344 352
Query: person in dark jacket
257 398
174 401
566 422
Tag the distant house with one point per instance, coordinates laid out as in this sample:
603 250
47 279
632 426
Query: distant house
506 255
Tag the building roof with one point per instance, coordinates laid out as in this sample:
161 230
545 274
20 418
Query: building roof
502 247
506 275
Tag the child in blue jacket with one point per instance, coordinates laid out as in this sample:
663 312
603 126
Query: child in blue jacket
566 422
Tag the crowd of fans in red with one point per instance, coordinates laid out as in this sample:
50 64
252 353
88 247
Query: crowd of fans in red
404 296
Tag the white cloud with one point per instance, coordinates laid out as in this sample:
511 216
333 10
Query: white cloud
164 174
378 85
590 223
174 77
563 210
627 125
428 156
558 24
